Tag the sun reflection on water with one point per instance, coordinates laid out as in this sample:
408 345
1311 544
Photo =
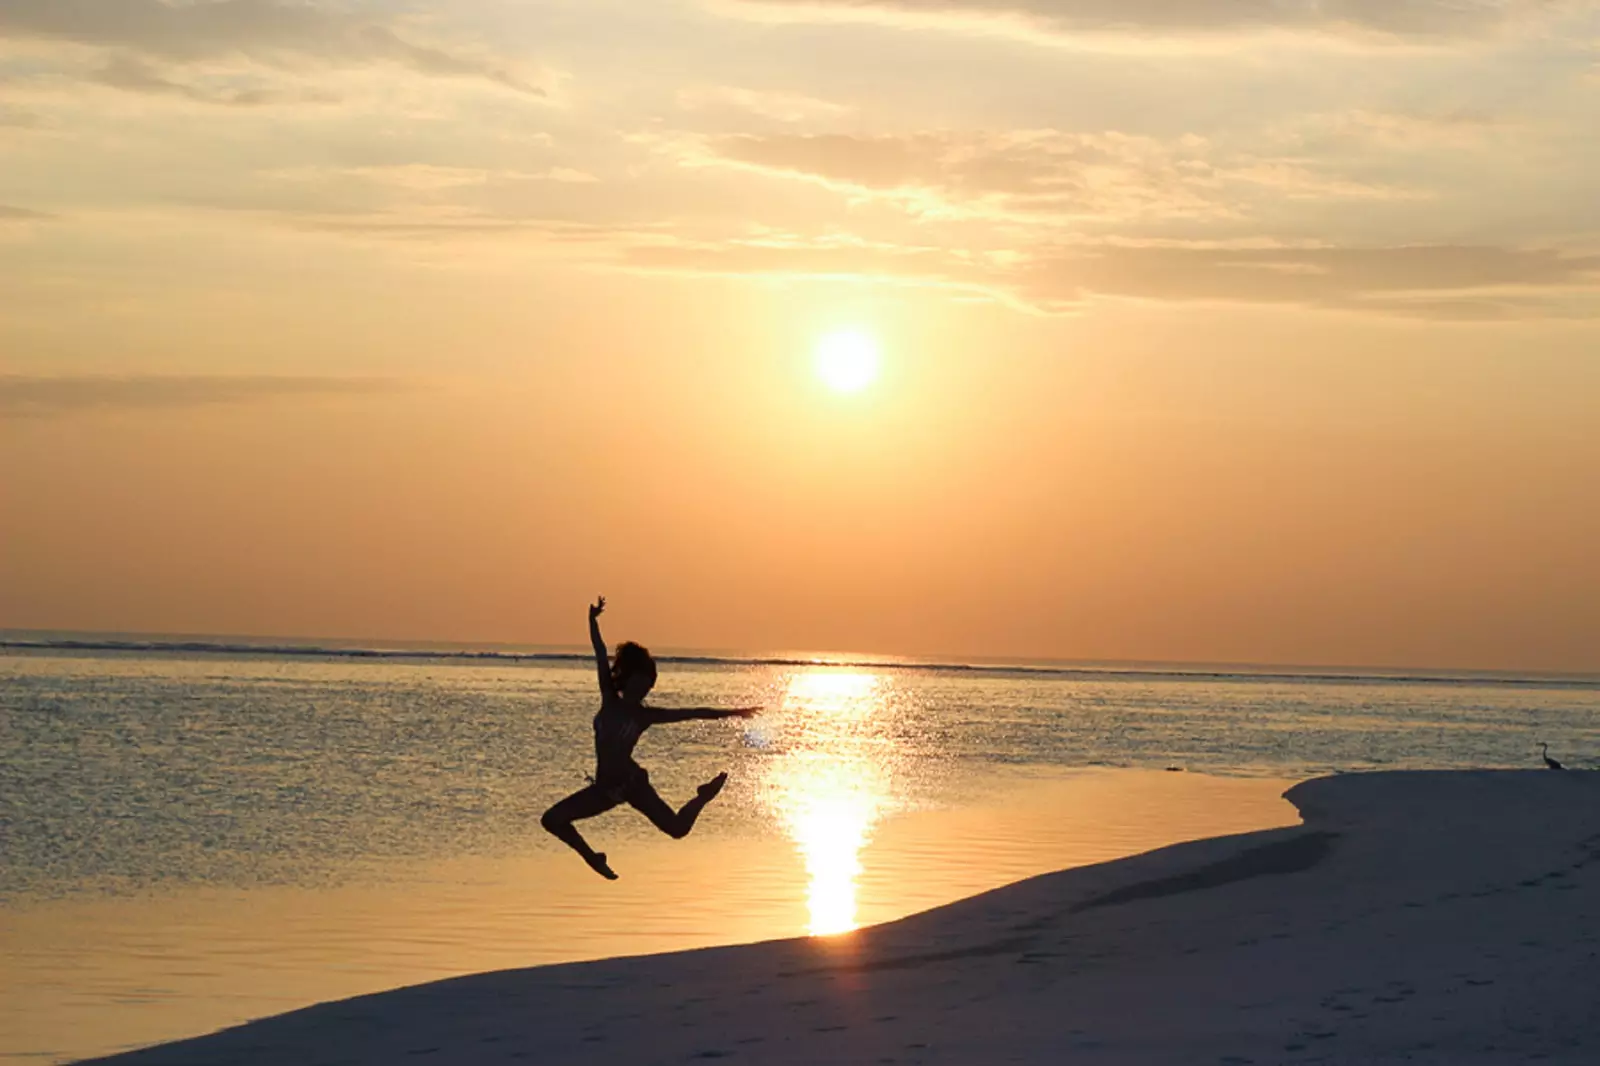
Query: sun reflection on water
831 783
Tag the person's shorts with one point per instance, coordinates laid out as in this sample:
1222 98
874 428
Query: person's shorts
619 788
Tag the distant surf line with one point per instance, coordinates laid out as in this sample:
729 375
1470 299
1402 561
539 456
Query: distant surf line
1063 672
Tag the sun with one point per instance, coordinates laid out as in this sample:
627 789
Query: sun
847 360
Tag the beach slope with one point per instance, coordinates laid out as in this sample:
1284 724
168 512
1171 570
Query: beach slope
1424 917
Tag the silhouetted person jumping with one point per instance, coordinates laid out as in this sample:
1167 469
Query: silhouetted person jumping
617 778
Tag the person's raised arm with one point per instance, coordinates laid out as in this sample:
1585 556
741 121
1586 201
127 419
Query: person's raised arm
602 660
697 714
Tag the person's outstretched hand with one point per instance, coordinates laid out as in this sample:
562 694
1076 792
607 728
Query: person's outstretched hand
745 712
597 608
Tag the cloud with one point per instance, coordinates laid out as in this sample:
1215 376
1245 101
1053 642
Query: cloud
432 177
18 119
20 214
25 396
1430 280
1393 19
1341 133
1037 173
776 105
269 31
1434 281
425 226
827 258
425 202
131 74
449 229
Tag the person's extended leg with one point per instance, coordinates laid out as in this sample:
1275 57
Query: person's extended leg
643 797
584 803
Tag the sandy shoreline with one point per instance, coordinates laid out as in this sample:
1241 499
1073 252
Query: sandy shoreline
1443 917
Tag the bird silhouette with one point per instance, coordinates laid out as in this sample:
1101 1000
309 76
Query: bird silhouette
1548 761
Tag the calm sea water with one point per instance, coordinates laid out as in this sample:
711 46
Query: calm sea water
122 771
179 827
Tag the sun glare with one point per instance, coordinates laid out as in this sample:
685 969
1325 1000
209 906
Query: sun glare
831 786
847 360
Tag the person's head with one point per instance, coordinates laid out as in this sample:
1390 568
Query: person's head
633 671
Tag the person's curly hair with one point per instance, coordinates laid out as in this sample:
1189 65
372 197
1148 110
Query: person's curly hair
632 659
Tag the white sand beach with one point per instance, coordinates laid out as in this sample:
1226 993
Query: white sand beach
1425 917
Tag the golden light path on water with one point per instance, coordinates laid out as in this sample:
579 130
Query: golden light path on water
831 783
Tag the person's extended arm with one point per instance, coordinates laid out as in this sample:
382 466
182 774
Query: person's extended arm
602 660
662 715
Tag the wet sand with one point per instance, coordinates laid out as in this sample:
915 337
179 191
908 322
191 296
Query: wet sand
1448 917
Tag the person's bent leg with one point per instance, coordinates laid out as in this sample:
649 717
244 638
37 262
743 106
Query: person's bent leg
643 797
585 803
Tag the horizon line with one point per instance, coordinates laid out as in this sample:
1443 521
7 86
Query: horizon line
17 639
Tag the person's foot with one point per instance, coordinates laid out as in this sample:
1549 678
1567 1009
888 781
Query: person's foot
709 790
597 862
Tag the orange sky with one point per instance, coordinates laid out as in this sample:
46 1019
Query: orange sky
1202 338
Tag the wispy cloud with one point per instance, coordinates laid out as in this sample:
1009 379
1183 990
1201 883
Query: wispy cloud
1038 173
1398 134
17 118
1395 20
797 257
132 74
20 214
1429 279
1435 282
26 396
267 31
431 177
764 103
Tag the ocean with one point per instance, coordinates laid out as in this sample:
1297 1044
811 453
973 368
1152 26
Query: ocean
199 834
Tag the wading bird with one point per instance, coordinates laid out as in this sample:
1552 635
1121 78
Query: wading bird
1548 761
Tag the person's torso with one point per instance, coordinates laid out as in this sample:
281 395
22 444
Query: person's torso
617 729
